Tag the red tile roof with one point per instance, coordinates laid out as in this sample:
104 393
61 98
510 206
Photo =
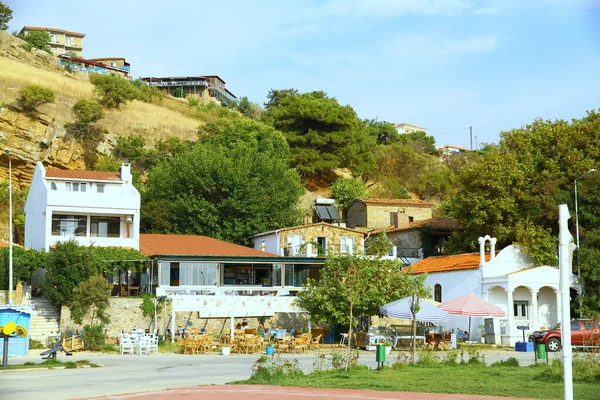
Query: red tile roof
188 245
448 263
83 175
397 202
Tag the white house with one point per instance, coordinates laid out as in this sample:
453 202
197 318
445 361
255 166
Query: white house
528 294
94 208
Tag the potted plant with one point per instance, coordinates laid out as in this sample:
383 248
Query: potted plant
388 345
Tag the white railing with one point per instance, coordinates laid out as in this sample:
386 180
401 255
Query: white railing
242 291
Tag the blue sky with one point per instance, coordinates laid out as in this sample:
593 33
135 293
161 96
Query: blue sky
441 64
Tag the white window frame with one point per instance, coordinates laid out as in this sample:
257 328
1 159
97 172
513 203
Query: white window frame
346 245
294 242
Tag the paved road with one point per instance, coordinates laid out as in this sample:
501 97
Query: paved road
130 373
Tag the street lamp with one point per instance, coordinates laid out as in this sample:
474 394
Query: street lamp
10 229
577 218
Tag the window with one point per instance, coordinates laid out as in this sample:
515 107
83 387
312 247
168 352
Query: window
105 226
69 225
520 309
100 187
411 219
76 186
68 186
294 244
322 245
52 185
82 187
52 38
67 41
394 219
437 293
347 244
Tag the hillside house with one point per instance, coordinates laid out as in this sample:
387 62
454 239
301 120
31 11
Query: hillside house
90 66
529 295
61 41
206 88
418 239
92 207
382 213
312 240
404 128
115 62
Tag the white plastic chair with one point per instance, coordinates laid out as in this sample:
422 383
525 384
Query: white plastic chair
154 343
144 345
126 345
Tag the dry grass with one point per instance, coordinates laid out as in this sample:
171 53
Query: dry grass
170 118
150 120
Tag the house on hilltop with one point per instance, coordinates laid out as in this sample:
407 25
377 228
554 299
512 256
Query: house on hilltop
92 207
404 128
381 213
61 41
206 88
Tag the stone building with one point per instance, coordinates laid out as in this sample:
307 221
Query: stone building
382 213
61 41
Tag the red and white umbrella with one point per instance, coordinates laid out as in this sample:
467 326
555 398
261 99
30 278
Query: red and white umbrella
472 306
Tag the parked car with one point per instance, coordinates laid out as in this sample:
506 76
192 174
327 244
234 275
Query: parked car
584 333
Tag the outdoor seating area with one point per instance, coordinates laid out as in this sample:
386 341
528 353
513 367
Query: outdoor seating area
138 342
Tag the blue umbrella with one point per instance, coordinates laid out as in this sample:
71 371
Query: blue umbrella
401 309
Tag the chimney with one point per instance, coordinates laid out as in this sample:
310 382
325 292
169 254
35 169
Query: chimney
262 246
492 248
126 173
481 250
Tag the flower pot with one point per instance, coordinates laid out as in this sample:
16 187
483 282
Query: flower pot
226 351
269 350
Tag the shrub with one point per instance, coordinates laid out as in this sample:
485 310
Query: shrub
509 362
38 40
113 90
271 368
35 344
87 111
345 190
109 348
94 337
145 92
33 96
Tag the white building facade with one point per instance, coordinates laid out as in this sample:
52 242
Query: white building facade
94 208
529 295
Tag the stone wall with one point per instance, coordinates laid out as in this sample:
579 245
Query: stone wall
357 215
333 234
378 216
126 314
408 241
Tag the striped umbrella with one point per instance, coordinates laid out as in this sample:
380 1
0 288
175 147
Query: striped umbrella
401 309
472 306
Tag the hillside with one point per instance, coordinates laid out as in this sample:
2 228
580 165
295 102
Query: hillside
43 138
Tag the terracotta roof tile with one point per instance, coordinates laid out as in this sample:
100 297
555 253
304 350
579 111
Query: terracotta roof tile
188 245
448 263
83 175
397 202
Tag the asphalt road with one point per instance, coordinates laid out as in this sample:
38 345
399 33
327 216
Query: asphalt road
131 373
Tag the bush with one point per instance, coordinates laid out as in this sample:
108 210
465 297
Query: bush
113 90
345 190
38 40
87 111
272 368
94 337
36 344
509 362
33 96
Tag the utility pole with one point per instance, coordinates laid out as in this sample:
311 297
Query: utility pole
471 136
476 144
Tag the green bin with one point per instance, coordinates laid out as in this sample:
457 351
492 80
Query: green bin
541 350
380 353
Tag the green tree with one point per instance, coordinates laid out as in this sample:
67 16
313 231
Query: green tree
113 90
381 246
231 185
345 190
91 300
350 286
33 96
38 40
66 267
87 111
179 91
5 16
420 141
25 263
321 133
248 108
384 132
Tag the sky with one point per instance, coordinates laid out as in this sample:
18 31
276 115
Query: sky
444 65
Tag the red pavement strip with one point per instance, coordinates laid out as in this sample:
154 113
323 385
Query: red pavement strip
232 392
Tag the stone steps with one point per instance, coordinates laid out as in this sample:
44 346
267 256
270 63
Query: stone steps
45 322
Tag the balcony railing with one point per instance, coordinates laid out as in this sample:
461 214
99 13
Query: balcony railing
178 83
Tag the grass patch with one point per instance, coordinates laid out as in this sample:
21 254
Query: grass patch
165 346
47 364
444 375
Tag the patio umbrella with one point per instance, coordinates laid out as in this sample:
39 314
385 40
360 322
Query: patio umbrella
472 306
401 309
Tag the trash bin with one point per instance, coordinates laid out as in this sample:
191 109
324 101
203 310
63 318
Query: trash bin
541 350
380 353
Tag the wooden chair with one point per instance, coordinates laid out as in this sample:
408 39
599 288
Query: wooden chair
284 345
300 344
314 342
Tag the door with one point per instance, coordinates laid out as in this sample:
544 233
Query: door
576 334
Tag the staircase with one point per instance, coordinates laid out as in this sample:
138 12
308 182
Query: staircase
45 321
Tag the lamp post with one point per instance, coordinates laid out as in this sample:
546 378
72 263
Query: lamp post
10 229
577 218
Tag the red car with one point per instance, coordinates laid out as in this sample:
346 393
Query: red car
584 333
